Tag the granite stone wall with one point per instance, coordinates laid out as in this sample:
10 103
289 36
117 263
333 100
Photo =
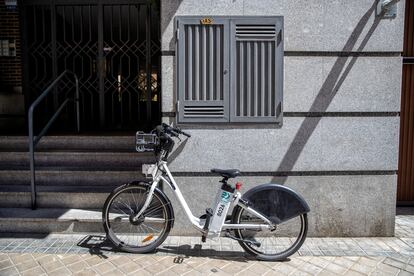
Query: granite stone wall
338 145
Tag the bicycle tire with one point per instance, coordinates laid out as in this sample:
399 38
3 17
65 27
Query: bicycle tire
278 256
164 212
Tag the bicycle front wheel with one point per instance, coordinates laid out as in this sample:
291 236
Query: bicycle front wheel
137 235
270 245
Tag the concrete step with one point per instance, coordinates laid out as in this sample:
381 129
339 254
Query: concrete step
70 178
82 142
81 199
77 159
50 220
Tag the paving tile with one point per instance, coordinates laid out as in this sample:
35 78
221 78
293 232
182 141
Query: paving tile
336 268
52 266
3 256
115 272
144 261
5 263
394 262
94 260
387 269
234 267
182 268
77 267
344 262
63 271
119 260
310 268
364 269
284 269
167 272
130 267
327 273
103 268
207 267
259 268
155 268
70 259
20 258
409 268
86 272
141 272
27 265
353 273
10 271
404 273
36 271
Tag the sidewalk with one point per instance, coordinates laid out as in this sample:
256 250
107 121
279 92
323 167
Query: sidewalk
92 255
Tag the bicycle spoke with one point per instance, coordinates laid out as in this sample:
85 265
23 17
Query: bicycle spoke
273 242
131 234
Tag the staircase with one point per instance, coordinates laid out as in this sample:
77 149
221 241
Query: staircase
74 175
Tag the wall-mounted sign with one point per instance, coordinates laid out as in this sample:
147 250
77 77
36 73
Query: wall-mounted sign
206 21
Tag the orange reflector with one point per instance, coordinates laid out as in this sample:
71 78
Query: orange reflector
148 238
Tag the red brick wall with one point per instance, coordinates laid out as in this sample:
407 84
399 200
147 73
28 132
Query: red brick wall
10 67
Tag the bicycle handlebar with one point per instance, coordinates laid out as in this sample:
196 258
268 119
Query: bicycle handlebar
175 131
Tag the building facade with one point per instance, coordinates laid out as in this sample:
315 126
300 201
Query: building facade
337 142
338 145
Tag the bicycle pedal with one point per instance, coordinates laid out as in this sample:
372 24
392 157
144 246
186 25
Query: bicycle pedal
208 214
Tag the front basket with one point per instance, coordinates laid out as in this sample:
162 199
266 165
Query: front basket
146 141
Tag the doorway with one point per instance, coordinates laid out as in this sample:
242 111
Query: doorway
113 48
405 188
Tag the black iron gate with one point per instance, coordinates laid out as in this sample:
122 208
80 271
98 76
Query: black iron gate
113 47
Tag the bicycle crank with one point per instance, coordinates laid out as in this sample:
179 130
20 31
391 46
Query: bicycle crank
253 242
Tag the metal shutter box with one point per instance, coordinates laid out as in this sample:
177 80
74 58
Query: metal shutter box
229 69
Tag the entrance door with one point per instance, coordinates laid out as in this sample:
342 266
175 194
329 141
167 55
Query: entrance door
113 48
405 191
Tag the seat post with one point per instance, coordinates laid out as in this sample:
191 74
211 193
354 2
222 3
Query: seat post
224 180
226 187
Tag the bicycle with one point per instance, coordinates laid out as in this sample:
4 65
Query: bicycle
269 221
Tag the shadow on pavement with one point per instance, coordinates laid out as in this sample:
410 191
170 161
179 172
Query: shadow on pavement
99 245
185 251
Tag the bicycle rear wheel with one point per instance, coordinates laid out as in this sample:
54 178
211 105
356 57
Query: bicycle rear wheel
147 232
276 244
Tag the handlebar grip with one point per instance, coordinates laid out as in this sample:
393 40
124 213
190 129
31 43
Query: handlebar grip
173 132
186 134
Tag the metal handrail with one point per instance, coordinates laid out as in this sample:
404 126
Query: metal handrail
33 141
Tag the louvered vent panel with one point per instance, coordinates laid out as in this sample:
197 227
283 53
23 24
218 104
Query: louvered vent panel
255 32
203 68
230 69
255 79
203 111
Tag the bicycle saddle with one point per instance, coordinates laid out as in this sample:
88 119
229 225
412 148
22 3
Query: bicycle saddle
226 173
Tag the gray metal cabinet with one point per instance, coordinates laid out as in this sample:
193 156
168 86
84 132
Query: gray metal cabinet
229 69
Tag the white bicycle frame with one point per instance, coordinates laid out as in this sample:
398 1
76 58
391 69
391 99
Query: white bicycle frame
157 172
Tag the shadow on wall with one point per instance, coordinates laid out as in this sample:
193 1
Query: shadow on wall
327 92
329 88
